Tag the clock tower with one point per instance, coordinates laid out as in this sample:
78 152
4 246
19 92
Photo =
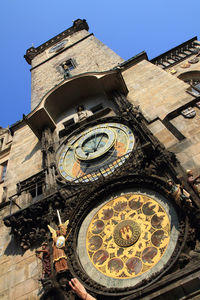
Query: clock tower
110 203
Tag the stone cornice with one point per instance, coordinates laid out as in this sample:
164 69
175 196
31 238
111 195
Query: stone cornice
132 61
176 54
77 26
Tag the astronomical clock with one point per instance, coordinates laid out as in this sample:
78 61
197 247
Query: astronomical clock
126 233
109 205
126 236
96 150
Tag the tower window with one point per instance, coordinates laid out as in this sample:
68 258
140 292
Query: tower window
36 190
34 185
1 144
3 171
67 66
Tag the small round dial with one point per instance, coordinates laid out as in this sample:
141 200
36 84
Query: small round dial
58 46
96 151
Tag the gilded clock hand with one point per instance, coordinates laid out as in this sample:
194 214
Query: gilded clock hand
95 140
99 142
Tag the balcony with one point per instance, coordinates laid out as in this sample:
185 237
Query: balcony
34 205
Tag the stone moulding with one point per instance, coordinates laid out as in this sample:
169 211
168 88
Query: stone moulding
77 26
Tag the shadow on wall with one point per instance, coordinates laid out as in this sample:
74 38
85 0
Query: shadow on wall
33 151
13 248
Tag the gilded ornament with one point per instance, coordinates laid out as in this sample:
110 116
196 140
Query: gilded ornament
126 233
129 237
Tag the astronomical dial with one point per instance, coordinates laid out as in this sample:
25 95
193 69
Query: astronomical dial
127 238
96 151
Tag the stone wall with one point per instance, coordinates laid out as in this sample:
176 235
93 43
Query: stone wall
19 271
159 93
25 158
5 136
188 151
89 55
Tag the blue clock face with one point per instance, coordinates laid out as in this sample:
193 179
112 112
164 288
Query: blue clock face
96 151
95 143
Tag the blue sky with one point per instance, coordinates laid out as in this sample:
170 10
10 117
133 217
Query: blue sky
127 27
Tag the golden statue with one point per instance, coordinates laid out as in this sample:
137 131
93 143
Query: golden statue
59 238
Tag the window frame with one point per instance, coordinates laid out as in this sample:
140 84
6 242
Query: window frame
3 171
1 143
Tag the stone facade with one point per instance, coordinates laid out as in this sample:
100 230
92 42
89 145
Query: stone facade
159 94
88 55
5 144
32 185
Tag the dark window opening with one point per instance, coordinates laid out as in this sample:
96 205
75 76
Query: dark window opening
3 171
1 144
67 66
36 190
34 186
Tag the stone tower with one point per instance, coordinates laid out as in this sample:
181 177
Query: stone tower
93 179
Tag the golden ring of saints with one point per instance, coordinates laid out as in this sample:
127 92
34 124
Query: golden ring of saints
129 235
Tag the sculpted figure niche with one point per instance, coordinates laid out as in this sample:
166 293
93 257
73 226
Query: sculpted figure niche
194 182
43 253
180 195
82 114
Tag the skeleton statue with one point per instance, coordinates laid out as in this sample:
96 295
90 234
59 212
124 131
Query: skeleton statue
43 253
